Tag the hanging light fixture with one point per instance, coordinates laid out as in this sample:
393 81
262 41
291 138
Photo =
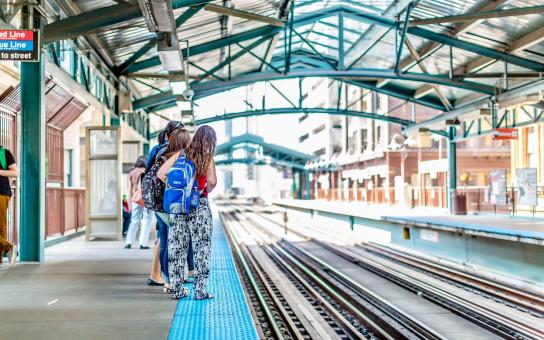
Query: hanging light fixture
158 15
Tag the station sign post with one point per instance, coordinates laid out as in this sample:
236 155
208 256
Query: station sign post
20 45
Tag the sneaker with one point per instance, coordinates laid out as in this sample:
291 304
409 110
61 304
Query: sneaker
143 247
12 255
128 246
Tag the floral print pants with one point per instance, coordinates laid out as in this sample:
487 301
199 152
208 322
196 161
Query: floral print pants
198 226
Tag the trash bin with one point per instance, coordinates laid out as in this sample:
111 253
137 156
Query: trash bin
459 206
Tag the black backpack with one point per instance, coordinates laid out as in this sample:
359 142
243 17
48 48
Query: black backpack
153 187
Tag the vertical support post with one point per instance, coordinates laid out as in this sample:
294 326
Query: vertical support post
452 167
403 36
307 185
506 76
451 63
32 201
341 63
288 58
300 96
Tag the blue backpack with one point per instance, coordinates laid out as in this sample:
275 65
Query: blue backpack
181 195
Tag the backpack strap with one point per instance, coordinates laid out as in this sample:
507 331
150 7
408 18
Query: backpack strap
3 161
161 152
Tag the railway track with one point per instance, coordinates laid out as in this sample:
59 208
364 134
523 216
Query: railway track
364 315
502 325
515 297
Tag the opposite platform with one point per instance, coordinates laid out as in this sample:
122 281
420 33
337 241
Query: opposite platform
518 229
224 317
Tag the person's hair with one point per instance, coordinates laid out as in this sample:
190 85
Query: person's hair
179 140
202 148
140 162
172 126
162 137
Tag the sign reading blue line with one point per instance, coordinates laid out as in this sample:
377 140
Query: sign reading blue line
16 45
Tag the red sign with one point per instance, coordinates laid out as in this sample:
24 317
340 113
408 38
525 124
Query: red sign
20 45
16 35
506 133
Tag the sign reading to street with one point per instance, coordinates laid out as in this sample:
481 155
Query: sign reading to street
19 45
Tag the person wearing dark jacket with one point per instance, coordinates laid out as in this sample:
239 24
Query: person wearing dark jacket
8 169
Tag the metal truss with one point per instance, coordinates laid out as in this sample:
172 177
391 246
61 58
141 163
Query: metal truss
297 55
269 153
509 118
299 110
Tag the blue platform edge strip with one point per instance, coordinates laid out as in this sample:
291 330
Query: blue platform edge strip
225 317
472 226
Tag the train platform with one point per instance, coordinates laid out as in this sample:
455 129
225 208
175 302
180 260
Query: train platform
90 290
511 228
507 246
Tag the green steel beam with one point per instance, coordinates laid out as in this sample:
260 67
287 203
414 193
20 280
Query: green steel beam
452 167
153 100
91 21
32 199
297 110
188 14
88 22
232 58
236 38
248 50
212 87
341 54
403 35
311 46
447 40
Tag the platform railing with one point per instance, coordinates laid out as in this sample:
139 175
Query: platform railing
65 211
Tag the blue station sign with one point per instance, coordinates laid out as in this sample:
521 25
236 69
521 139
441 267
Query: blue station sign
19 45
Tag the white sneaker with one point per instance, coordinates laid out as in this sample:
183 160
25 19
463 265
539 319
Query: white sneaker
12 255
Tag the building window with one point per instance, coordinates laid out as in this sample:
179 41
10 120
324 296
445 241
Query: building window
303 138
303 117
319 152
364 139
378 134
68 167
318 129
532 146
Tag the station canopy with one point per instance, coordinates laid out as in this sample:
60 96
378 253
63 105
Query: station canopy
443 54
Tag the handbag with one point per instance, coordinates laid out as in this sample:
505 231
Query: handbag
137 197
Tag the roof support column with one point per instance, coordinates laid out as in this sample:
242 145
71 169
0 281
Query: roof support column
452 167
32 194
307 187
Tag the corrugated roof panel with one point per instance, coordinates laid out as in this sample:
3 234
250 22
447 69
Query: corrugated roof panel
68 114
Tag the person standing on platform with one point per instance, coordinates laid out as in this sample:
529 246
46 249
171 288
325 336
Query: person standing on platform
139 214
198 224
163 219
178 142
8 169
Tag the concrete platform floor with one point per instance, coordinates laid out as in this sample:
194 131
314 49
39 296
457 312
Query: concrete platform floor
84 290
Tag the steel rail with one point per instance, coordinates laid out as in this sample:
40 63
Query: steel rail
269 315
412 328
511 296
336 319
502 325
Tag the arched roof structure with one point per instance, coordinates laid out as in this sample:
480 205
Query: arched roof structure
455 57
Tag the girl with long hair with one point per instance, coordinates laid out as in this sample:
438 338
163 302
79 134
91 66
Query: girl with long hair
198 224
177 143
